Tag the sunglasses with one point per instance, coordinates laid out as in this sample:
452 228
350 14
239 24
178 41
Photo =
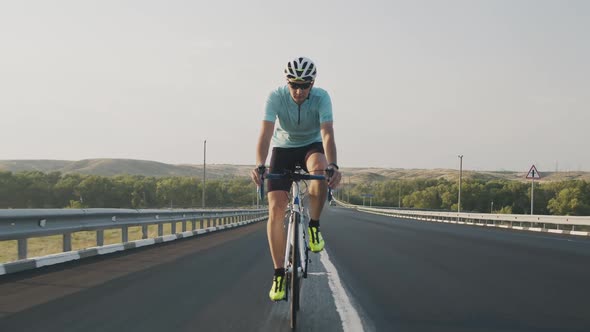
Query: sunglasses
302 86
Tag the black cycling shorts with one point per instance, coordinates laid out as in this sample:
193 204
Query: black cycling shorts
287 159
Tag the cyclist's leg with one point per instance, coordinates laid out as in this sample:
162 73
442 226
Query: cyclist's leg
275 230
318 190
316 164
278 199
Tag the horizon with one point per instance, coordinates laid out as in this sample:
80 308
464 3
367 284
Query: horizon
252 165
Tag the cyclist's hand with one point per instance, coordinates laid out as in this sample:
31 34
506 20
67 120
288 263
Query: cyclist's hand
334 176
257 174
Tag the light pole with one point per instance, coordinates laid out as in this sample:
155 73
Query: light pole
204 169
348 191
460 180
399 195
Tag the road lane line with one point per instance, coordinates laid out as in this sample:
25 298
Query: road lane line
349 316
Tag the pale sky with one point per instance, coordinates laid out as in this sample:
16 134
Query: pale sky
413 83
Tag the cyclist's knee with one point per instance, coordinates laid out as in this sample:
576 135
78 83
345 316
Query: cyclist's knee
277 202
317 163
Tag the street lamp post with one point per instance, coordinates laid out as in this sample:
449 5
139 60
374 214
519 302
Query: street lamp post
399 195
204 170
460 180
348 191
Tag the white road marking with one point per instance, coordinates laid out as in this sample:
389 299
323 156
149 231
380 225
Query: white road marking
538 236
350 318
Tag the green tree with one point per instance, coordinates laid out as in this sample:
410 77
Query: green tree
424 199
8 186
34 190
66 190
144 192
96 191
570 201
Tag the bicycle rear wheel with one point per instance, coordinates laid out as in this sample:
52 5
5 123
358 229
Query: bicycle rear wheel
295 264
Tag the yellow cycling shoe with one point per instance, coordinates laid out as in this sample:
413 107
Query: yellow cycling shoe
316 241
277 291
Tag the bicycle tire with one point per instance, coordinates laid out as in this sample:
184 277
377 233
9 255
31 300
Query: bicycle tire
294 282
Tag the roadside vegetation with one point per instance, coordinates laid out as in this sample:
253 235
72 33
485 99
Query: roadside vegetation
497 196
34 189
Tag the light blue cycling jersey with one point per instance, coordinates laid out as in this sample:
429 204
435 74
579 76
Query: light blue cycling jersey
298 125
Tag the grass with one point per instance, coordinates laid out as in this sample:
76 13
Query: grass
47 245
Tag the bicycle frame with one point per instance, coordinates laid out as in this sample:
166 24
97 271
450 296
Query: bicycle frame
297 207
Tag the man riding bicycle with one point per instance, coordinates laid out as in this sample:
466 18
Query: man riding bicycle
303 137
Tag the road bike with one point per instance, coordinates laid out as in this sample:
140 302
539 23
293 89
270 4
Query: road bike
297 249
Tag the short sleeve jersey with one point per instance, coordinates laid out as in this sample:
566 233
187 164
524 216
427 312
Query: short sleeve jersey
298 125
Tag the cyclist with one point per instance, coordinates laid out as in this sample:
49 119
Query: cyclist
303 137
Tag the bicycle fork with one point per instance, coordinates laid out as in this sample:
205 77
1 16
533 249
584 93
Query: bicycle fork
300 236
302 247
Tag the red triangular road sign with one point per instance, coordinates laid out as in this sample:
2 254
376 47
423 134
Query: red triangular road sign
533 173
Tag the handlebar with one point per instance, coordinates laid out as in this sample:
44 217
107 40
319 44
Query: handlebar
293 176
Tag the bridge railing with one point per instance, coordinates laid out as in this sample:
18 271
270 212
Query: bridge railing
23 224
576 225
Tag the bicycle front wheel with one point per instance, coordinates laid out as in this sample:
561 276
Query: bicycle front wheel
295 264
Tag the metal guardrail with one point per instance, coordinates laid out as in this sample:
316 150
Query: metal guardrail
576 225
22 224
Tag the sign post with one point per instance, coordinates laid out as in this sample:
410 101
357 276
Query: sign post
533 174
370 199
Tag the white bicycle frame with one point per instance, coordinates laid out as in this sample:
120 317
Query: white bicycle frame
297 207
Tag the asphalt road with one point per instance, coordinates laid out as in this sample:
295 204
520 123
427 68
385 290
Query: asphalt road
397 275
411 275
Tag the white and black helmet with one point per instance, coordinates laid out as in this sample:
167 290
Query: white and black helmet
300 69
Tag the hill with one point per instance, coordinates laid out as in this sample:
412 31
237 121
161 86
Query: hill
382 174
111 167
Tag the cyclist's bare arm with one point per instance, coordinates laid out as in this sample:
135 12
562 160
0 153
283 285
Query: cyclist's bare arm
262 147
327 131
